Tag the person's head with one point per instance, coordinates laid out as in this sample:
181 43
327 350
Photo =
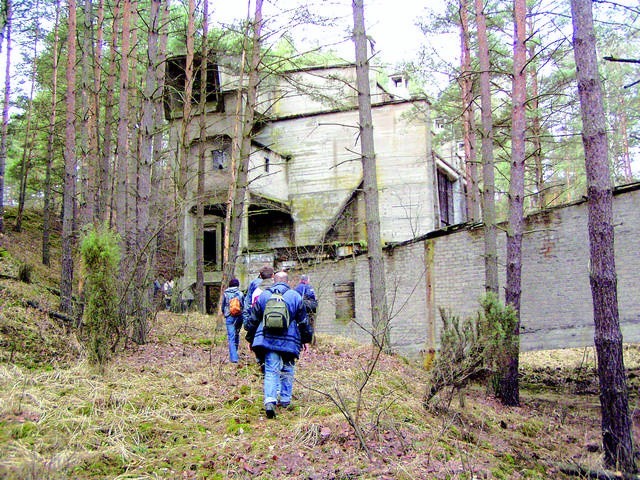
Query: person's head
304 278
281 277
234 282
266 272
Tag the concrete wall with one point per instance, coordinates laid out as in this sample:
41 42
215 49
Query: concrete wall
447 271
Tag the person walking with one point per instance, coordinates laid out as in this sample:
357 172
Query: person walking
279 346
308 294
232 301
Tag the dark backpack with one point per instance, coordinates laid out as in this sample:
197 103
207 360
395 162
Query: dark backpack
276 313
311 304
235 307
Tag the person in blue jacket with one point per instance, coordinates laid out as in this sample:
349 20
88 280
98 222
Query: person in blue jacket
279 347
232 322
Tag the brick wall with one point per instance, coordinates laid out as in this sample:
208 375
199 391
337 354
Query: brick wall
447 271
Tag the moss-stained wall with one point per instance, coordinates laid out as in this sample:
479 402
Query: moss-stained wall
325 168
447 271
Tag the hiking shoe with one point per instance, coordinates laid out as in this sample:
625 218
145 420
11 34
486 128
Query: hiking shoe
284 405
270 408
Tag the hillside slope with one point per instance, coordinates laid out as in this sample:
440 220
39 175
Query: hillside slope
174 408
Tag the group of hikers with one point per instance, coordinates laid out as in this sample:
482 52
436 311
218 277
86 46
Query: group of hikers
279 323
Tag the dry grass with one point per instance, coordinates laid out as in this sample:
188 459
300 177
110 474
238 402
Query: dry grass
175 408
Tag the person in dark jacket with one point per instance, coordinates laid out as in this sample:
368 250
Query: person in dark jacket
279 348
233 322
308 294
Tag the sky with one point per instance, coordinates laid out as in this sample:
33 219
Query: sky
390 23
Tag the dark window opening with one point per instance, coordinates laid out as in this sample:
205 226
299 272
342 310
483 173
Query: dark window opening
220 159
210 247
445 198
175 79
266 164
345 301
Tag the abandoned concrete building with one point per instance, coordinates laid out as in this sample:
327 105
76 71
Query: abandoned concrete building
304 197
305 213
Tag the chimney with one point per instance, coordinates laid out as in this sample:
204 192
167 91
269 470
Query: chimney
399 86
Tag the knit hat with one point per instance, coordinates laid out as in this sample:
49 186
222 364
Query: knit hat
234 282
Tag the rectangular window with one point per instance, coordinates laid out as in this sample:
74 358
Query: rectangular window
220 159
266 164
345 301
210 249
445 198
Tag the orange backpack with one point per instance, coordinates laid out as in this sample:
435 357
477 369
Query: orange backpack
235 307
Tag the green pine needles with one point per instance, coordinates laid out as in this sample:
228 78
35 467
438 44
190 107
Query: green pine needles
100 258
474 348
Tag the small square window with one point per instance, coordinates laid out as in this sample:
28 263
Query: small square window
220 159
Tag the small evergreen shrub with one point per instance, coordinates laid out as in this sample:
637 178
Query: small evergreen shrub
474 348
24 272
498 325
100 258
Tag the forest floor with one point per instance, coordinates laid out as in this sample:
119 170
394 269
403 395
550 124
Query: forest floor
175 408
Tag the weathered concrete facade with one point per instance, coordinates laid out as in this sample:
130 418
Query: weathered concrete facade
305 172
446 270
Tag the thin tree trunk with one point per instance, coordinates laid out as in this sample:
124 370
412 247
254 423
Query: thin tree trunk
158 172
627 172
614 401
488 175
536 129
468 117
143 190
46 216
5 112
70 167
242 150
99 208
107 172
183 158
379 314
29 133
509 391
86 159
200 199
122 149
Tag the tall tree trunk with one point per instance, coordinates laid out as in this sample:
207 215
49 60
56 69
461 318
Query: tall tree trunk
46 216
509 391
99 208
377 289
488 175
29 133
143 190
122 149
200 198
158 171
107 172
5 112
614 402
70 167
468 117
183 159
242 149
627 172
538 197
86 160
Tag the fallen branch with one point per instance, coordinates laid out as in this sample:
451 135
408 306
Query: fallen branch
582 472
54 315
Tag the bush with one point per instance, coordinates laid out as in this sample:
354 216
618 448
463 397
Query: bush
24 272
100 257
473 348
